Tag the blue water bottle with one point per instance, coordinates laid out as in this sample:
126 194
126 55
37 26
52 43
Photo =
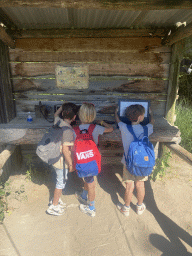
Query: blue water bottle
29 118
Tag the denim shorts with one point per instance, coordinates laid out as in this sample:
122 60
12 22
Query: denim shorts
61 177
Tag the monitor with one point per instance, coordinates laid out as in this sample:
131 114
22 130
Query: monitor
123 104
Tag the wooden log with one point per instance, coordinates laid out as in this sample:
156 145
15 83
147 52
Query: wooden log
103 104
7 40
173 85
98 4
89 44
88 33
40 69
7 109
44 85
4 156
182 33
18 55
180 151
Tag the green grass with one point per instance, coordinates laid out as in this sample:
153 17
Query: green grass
184 123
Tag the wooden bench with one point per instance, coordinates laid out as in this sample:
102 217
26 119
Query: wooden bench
19 131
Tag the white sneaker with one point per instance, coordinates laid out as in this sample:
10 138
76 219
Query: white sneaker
55 210
60 202
85 209
123 209
140 208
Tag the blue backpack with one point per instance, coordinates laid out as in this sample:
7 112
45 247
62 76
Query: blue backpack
140 159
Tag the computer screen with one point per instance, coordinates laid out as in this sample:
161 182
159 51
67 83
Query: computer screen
123 104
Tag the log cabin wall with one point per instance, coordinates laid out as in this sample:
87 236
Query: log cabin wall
119 68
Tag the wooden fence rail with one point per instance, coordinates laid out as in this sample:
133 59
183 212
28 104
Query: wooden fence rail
181 152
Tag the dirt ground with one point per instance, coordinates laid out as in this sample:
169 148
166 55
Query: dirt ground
165 228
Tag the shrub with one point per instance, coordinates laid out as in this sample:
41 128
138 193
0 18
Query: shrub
184 122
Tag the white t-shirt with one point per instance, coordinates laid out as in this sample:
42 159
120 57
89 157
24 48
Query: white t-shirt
99 130
127 137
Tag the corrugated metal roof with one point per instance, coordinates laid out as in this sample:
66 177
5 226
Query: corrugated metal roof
42 18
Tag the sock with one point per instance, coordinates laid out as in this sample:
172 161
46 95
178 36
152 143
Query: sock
126 206
92 205
84 194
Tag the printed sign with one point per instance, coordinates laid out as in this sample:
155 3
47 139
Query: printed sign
72 77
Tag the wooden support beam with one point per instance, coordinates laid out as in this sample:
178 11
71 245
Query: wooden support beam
7 106
180 34
7 40
4 156
101 4
89 44
173 85
87 33
7 21
180 151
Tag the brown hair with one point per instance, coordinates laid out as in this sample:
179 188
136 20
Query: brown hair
69 110
134 111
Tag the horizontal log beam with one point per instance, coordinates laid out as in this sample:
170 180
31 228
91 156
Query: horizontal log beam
180 151
6 38
4 156
42 69
87 33
89 44
101 4
182 33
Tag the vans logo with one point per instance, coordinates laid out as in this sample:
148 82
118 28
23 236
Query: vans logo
85 155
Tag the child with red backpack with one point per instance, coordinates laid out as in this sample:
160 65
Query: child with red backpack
87 158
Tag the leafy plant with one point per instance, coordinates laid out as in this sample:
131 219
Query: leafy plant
4 192
31 170
184 123
161 166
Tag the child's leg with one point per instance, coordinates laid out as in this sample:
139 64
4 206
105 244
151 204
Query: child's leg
91 191
90 186
55 207
60 185
128 193
140 188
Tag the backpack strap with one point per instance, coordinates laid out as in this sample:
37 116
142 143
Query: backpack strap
145 128
89 131
130 129
91 128
77 131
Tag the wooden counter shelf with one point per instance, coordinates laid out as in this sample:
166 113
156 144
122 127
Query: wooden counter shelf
18 131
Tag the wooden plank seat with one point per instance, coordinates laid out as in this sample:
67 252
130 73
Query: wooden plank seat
18 131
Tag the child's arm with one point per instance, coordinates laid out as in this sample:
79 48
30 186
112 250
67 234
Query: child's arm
57 113
67 156
108 127
116 116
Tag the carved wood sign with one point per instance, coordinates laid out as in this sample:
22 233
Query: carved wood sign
72 77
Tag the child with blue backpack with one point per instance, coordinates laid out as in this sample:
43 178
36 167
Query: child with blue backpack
135 113
87 115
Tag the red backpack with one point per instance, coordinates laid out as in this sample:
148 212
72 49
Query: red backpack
87 158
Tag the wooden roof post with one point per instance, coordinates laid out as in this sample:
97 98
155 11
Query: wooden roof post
173 85
7 109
